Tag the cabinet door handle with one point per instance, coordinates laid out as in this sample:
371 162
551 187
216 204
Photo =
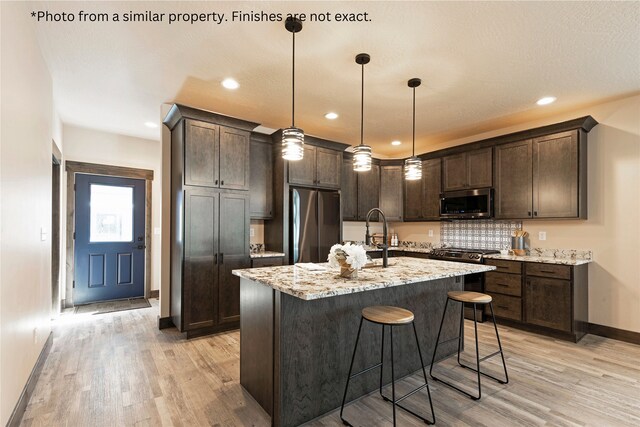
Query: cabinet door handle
216 182
548 272
529 213
502 284
222 182
503 307
215 259
221 258
535 213
501 266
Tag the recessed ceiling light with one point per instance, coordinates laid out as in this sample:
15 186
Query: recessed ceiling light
151 124
546 100
230 84
331 116
396 142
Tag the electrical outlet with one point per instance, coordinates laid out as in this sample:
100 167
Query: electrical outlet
430 233
43 233
542 235
252 232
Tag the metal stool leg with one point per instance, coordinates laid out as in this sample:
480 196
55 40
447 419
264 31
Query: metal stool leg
475 327
381 360
461 332
435 350
346 387
393 379
504 365
424 373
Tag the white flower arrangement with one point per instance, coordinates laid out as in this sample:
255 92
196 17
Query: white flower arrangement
354 255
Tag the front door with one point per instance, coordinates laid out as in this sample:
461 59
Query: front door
109 238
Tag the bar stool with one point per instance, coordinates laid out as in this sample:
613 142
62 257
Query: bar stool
392 317
475 298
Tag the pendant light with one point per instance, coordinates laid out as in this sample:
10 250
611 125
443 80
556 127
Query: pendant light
293 137
413 165
362 153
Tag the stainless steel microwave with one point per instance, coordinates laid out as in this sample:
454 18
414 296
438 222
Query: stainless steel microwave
467 204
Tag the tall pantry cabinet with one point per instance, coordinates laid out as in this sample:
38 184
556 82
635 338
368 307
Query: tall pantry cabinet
210 213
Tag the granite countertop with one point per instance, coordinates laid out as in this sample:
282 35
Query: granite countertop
309 285
540 259
266 254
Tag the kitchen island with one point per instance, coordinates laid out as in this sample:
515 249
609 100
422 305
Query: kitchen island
298 327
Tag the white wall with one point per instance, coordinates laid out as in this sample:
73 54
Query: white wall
93 146
26 117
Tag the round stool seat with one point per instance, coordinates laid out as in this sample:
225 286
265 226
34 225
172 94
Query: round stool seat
472 297
387 315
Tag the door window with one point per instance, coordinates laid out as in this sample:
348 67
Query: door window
111 213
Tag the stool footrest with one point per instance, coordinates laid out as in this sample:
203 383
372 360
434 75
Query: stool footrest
449 340
482 373
364 371
397 403
490 356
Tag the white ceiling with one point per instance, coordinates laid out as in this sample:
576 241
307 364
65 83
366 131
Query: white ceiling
483 64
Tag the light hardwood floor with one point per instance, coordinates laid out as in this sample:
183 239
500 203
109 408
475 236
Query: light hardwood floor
118 369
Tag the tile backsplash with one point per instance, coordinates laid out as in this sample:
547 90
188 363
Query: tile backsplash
478 234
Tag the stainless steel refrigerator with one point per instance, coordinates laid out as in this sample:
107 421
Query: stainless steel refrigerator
315 224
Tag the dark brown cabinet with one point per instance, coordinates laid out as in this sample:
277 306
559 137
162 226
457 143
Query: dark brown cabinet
513 178
216 156
468 170
368 192
349 191
261 187
555 176
547 298
548 303
391 178
267 262
542 177
422 197
320 167
216 242
209 218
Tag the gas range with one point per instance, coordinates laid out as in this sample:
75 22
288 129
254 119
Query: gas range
462 254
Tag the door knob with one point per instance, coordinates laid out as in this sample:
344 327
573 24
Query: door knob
139 247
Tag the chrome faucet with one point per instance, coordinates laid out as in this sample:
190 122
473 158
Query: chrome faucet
384 246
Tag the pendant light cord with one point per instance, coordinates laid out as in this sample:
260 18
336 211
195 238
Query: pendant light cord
414 122
362 108
293 83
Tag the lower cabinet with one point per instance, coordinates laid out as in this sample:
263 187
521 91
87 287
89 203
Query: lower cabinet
267 262
547 298
205 298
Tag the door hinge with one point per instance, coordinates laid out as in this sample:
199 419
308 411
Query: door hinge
74 235
74 284
74 187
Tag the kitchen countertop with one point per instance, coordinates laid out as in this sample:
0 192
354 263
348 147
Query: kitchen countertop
540 259
267 254
309 285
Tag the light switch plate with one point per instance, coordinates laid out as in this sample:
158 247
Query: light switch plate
156 231
43 233
542 235
252 232
430 233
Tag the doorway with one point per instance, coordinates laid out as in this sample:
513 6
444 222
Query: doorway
109 238
108 247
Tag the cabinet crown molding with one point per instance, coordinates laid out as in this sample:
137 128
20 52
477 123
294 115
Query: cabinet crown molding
179 112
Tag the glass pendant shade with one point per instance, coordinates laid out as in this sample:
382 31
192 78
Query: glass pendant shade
292 144
412 168
362 158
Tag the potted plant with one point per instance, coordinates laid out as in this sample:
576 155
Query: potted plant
349 258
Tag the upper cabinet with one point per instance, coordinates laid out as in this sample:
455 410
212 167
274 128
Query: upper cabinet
349 191
216 156
467 170
261 188
542 177
391 178
368 191
422 197
320 167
